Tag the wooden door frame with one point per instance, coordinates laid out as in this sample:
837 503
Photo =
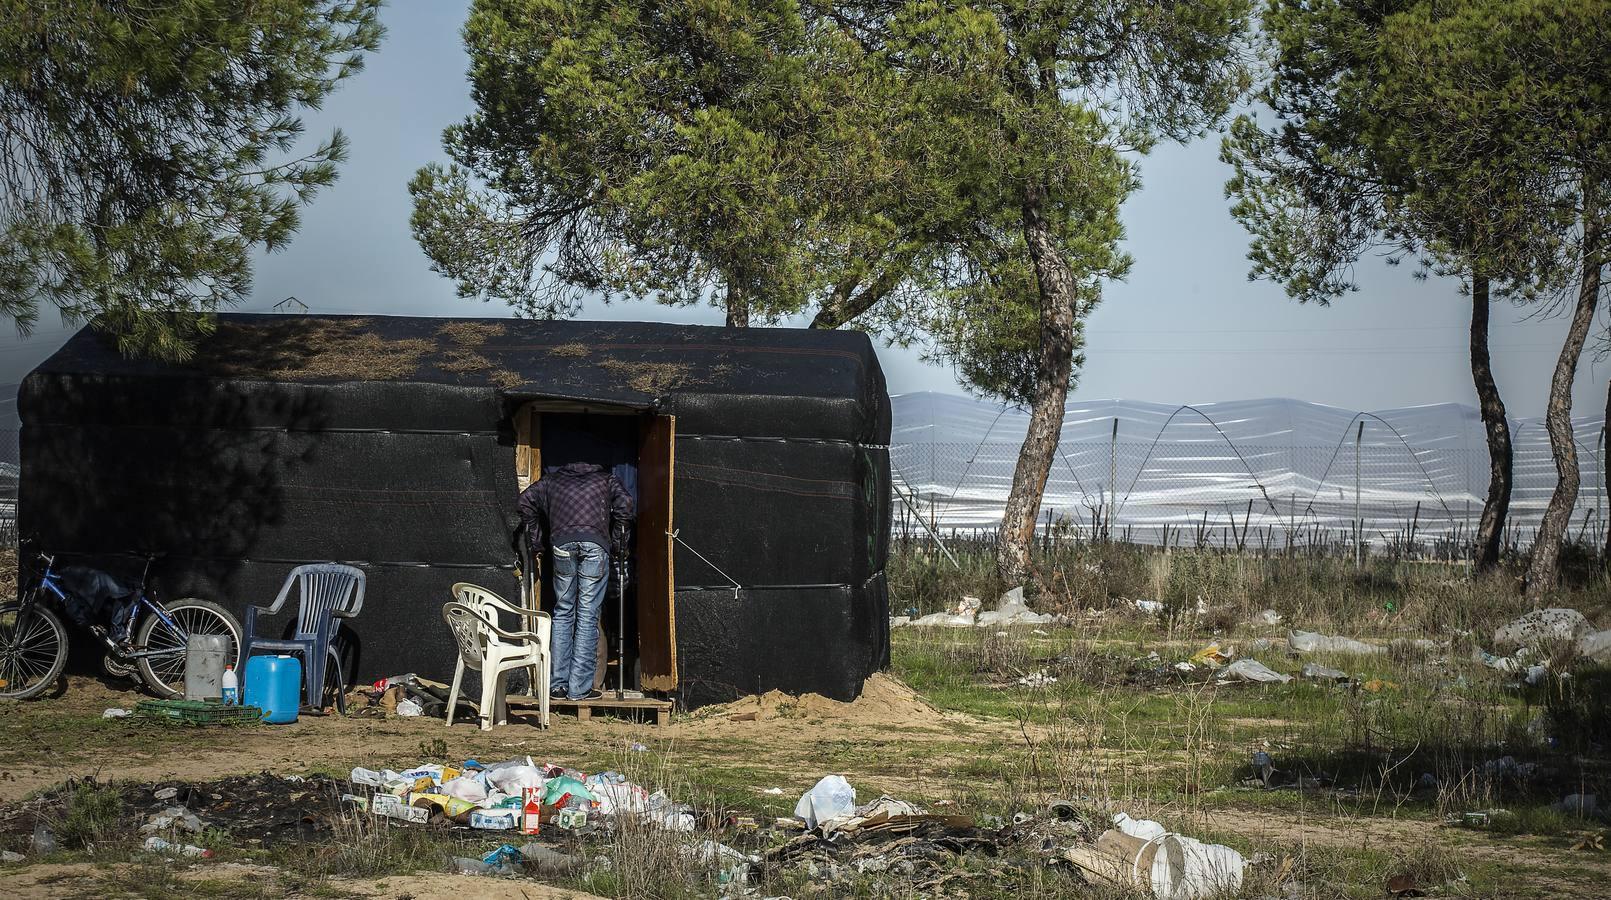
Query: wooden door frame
527 420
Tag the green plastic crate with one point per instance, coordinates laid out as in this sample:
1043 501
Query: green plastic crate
198 712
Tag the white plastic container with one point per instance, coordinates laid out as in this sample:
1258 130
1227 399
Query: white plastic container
204 665
231 686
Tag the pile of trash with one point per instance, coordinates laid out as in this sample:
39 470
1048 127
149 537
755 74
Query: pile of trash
1010 610
1220 665
406 695
843 839
840 839
514 795
520 807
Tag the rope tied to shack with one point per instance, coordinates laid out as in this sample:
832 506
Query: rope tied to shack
675 535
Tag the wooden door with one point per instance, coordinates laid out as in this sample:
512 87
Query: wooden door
657 614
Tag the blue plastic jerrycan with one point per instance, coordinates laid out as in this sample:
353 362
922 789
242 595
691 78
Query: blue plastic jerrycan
274 685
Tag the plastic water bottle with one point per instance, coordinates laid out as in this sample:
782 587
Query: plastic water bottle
232 687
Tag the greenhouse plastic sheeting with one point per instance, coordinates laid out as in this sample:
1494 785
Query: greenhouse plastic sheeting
1276 468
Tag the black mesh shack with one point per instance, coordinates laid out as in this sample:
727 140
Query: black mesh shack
400 445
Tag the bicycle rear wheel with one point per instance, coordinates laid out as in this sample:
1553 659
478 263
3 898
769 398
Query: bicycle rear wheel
33 650
164 670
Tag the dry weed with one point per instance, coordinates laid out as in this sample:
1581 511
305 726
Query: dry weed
461 361
470 334
506 379
648 377
310 349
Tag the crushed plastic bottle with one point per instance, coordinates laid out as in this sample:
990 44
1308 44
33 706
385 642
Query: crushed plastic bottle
467 866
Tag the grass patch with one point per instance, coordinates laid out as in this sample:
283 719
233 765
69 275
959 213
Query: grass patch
91 813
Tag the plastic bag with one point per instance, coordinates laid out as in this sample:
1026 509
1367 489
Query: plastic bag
514 779
1310 642
1146 829
466 787
831 798
1252 670
556 789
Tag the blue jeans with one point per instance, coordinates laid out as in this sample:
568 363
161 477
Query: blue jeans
581 576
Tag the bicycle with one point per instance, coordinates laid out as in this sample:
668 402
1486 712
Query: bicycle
33 639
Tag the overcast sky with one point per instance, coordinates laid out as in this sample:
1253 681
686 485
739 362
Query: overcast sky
1187 326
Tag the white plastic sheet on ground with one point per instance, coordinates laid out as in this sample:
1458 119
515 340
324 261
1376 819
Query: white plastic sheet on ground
1252 670
1310 642
830 798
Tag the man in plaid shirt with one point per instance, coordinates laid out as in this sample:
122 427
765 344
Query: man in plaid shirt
575 508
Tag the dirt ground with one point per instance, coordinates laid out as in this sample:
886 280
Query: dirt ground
70 880
764 730
760 752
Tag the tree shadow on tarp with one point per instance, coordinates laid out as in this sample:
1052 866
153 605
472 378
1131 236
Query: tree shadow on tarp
193 471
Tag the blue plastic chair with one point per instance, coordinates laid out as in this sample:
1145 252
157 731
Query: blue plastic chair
330 592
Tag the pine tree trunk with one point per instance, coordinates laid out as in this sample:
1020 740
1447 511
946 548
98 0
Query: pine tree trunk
1605 476
1544 569
738 308
1491 529
1053 369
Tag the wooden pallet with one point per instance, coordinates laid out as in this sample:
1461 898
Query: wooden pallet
584 708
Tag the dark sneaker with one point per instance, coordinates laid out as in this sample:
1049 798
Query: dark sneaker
590 695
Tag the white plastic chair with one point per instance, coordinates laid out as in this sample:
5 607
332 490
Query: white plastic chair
530 619
492 651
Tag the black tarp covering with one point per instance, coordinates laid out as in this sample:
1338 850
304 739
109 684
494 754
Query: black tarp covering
273 448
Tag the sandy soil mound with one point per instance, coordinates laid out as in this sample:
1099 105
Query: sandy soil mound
884 703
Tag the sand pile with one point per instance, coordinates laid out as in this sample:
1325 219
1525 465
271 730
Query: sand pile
884 702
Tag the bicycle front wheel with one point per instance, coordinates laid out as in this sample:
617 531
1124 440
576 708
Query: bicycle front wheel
33 650
162 665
